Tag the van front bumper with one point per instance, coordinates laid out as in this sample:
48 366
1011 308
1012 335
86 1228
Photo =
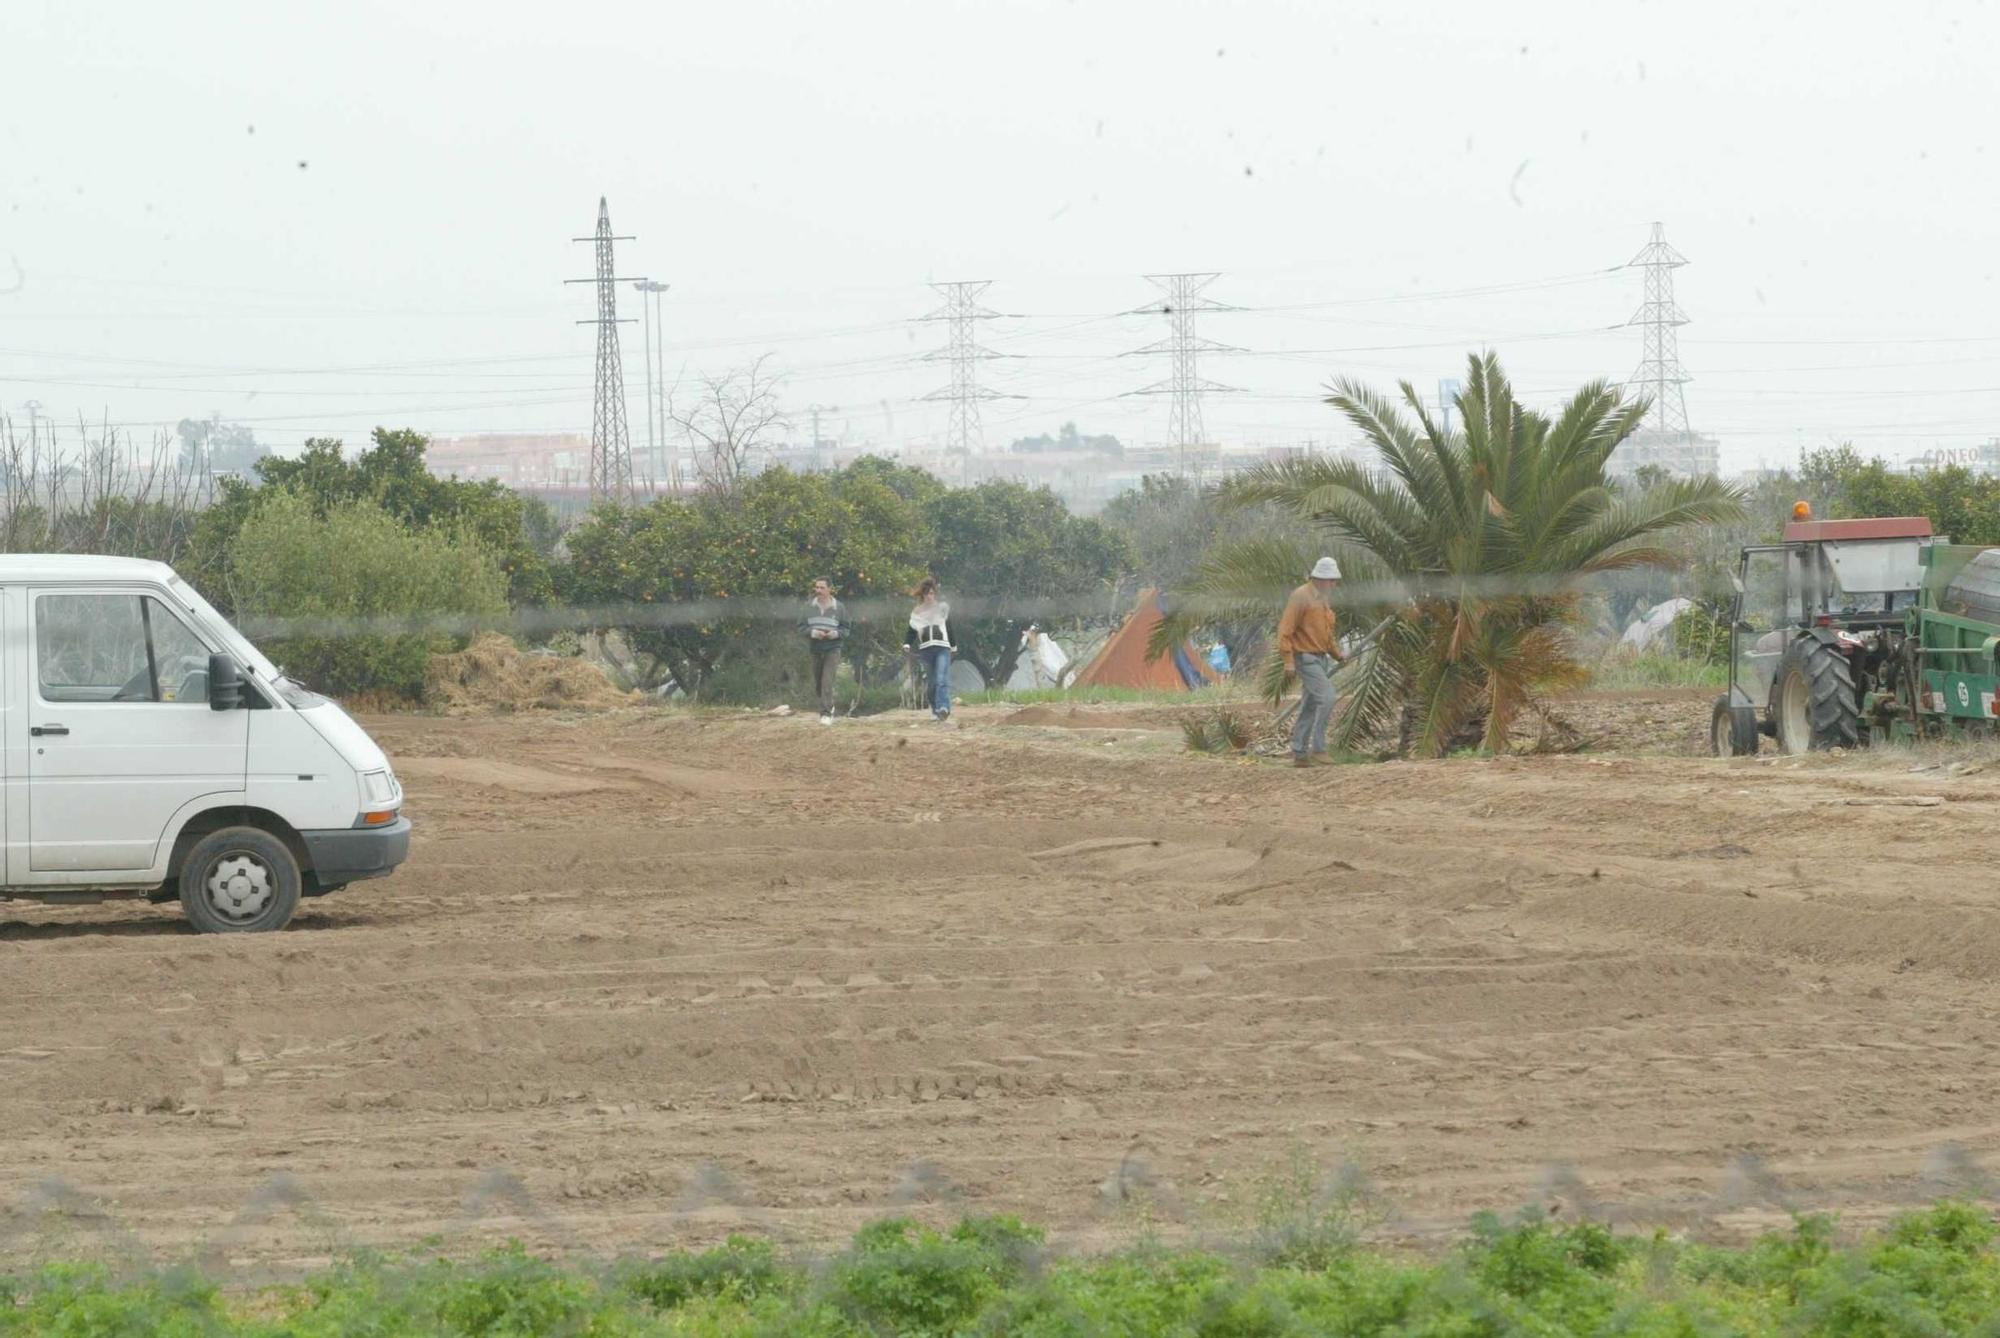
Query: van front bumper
348 855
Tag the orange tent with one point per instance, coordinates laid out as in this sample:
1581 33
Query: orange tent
1122 662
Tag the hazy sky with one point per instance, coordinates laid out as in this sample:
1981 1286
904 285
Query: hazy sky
318 218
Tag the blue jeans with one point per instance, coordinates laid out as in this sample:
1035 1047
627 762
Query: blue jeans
1315 704
937 670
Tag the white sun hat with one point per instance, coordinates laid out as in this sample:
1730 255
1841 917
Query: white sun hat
1326 569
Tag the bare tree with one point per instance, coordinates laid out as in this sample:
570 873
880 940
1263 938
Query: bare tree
729 420
104 494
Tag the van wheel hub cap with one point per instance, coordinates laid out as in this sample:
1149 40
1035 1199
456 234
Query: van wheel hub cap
239 886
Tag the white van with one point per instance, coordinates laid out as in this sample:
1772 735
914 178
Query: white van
152 751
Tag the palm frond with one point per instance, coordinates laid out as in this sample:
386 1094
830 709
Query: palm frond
1443 697
1371 517
1621 520
1414 460
1370 687
1273 679
1520 663
1629 559
1246 580
1584 433
1281 481
1242 582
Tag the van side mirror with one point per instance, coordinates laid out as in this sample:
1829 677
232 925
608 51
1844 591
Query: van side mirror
225 684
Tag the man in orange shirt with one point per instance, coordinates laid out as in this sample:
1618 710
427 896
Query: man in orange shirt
1306 640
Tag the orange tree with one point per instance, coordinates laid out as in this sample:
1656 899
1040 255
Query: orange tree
1008 554
708 589
1959 502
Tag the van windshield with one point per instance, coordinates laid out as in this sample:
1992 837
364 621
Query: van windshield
221 628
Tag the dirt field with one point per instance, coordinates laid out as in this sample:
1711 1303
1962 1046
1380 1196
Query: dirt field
649 977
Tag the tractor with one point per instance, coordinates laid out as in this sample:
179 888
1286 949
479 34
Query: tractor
1851 632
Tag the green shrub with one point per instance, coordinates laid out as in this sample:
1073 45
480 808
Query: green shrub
506 1293
1942 1261
1557 1273
909 1280
1305 1219
1930 1273
1123 1296
1784 1262
390 472
740 1268
1697 634
514 1294
82 1301
357 567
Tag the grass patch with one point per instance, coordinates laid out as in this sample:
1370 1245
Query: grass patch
880 697
1630 673
1109 696
1303 1272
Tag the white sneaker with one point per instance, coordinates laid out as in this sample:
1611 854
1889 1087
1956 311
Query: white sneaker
826 720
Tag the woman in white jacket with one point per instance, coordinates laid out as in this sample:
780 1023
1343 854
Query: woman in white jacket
929 638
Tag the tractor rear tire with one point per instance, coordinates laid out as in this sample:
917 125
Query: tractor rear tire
1816 706
1732 730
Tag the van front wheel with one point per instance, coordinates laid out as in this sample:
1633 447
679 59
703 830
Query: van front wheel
239 880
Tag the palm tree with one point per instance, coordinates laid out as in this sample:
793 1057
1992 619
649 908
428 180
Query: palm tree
1464 560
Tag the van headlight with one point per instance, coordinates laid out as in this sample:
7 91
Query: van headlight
378 787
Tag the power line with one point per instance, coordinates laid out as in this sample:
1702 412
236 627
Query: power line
1442 294
299 393
1503 337
1859 343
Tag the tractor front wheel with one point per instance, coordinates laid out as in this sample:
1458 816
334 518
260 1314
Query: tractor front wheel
1816 705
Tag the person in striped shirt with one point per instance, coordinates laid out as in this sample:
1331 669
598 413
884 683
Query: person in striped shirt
825 626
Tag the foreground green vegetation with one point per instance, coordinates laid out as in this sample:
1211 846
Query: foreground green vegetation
1934 1272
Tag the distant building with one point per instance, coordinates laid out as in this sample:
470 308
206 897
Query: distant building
517 459
1067 441
1983 459
1686 455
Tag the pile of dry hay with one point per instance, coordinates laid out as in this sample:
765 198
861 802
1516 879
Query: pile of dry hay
492 674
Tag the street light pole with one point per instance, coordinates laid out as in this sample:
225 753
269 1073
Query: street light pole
646 311
655 376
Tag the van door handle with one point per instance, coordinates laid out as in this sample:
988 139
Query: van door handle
39 731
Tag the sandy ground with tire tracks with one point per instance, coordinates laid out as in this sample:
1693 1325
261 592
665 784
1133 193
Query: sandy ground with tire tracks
651 976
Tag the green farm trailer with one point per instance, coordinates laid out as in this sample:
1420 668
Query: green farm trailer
1950 644
1851 632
